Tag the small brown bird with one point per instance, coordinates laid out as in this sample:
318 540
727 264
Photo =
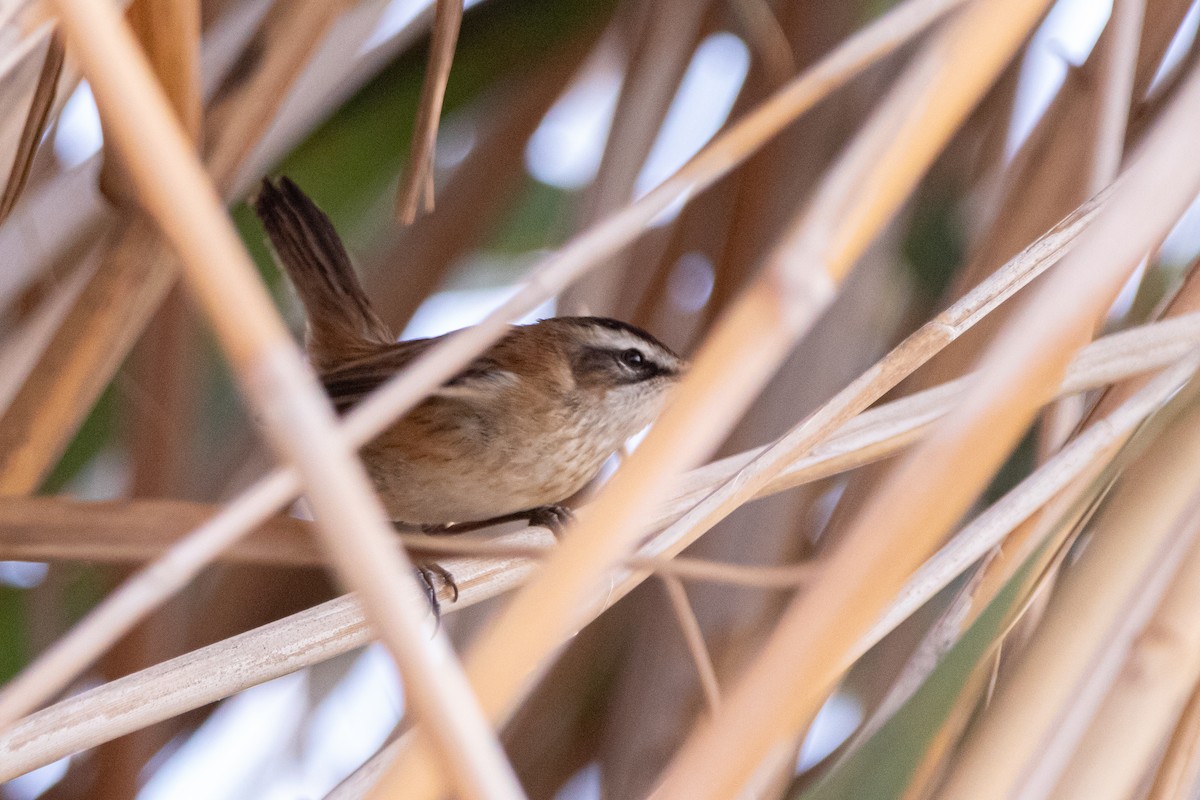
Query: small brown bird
521 429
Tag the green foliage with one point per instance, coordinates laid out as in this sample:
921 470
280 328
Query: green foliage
934 245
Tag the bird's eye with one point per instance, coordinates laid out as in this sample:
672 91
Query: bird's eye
633 358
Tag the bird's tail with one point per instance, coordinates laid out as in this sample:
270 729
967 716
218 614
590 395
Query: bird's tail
341 322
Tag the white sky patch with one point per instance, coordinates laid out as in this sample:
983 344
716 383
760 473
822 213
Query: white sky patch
835 722
1181 42
705 97
691 282
260 744
1183 243
106 476
456 139
352 722
33 784
457 308
1066 37
397 16
566 148
583 785
22 574
232 753
78 136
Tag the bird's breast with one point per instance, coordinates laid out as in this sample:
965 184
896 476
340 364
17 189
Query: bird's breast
433 467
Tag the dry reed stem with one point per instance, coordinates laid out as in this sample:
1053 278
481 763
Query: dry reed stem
722 155
766 37
410 263
858 197
82 354
930 339
59 528
1178 775
1158 672
933 486
175 191
872 435
418 176
98 715
1116 61
1158 30
989 529
37 61
1056 525
1016 743
661 39
239 116
1071 475
46 528
1052 528
80 359
169 34
1118 66
689 626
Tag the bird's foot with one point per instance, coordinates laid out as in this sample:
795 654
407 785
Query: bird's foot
553 518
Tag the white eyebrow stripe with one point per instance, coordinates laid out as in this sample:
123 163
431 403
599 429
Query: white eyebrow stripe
619 340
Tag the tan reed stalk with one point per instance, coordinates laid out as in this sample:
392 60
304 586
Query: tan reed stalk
872 435
1144 702
1016 742
38 60
49 528
1054 527
661 39
169 34
1118 68
1116 53
762 31
689 626
1178 775
1158 30
866 186
240 116
1042 536
1071 480
59 528
990 529
925 495
177 193
418 176
104 713
117 302
408 265
378 411
930 339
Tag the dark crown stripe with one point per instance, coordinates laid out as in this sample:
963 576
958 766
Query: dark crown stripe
615 325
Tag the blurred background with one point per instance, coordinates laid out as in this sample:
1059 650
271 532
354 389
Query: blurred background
557 113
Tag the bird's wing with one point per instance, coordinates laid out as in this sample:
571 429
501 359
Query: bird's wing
349 383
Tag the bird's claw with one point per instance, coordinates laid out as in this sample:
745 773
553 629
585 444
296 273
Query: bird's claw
553 518
431 572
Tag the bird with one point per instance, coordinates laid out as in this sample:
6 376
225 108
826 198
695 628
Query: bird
526 425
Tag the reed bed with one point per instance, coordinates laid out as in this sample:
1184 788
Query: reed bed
933 460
